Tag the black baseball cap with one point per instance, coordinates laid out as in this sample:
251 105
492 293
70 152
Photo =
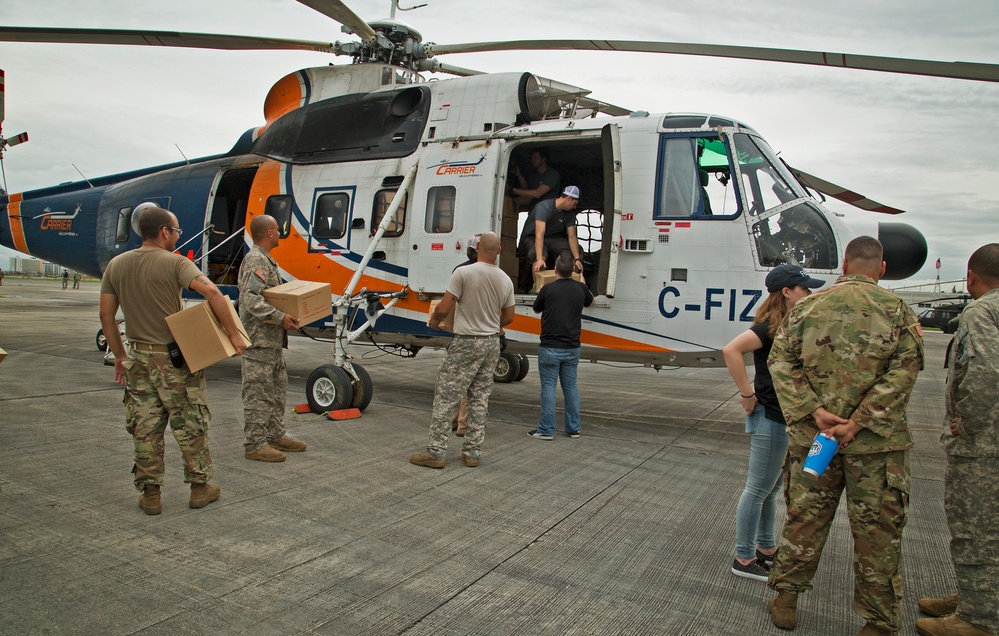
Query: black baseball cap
787 275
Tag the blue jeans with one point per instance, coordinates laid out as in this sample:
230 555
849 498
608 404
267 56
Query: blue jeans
558 365
754 518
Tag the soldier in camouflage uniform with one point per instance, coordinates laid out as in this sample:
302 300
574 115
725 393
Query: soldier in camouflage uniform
146 283
844 363
265 377
971 441
482 295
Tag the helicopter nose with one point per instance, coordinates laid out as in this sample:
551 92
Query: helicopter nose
904 249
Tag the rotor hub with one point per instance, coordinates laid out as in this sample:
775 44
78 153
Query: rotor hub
395 43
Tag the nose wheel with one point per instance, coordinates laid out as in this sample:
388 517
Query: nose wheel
331 388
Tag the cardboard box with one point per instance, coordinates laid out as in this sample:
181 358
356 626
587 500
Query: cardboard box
547 276
448 323
200 335
3 354
306 301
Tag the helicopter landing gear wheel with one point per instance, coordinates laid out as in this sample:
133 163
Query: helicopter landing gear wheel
525 368
329 389
102 342
507 368
363 388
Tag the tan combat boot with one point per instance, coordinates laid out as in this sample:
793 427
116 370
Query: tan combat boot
266 453
288 445
784 609
149 500
948 626
204 494
426 459
941 606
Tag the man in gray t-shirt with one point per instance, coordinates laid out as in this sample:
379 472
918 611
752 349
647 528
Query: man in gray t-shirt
482 295
550 231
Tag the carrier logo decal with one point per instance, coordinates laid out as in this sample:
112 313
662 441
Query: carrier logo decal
57 221
459 168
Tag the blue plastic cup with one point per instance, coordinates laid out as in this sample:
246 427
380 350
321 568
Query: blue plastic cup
820 454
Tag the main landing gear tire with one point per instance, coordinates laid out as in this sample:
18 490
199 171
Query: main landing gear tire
329 388
363 388
507 368
525 367
102 342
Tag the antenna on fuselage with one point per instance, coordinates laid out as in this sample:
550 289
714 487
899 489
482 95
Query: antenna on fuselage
186 160
82 175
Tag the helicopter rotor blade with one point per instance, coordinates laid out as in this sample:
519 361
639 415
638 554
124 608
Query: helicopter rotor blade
841 193
955 70
159 38
457 70
343 14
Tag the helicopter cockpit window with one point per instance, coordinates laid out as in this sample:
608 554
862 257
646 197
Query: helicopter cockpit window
279 207
694 179
798 235
124 223
440 210
330 221
383 199
766 180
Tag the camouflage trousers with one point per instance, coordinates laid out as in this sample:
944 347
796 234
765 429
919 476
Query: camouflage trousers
157 392
265 387
970 494
467 369
877 502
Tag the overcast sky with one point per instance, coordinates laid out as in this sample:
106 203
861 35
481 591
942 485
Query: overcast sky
927 146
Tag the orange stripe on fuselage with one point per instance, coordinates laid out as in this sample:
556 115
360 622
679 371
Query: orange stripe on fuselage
532 325
16 228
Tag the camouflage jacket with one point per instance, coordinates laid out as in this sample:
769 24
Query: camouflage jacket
855 349
262 321
972 382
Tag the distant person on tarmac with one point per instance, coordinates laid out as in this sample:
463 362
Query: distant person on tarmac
76 280
65 278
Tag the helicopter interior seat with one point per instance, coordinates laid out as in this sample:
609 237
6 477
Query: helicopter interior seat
705 208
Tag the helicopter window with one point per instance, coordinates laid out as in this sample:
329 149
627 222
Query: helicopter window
440 210
124 223
766 180
694 179
798 235
383 199
279 207
331 215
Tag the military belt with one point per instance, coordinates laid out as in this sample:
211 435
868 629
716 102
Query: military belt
145 346
492 335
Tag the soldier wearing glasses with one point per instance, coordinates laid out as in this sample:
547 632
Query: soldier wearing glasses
146 283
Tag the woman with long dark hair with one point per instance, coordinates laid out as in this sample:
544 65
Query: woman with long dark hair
756 540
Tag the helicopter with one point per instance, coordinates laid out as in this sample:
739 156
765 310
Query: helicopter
686 212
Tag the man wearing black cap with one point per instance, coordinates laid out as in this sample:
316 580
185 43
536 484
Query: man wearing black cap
549 231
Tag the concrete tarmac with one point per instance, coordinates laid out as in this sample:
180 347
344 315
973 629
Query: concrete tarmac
627 530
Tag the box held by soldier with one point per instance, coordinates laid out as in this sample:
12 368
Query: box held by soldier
3 354
200 335
305 300
548 275
445 325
